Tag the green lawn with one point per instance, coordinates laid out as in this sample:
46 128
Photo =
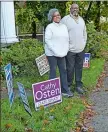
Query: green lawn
91 75
58 118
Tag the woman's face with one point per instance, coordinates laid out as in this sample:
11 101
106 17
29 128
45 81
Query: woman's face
56 17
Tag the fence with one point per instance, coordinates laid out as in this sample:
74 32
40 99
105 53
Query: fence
26 33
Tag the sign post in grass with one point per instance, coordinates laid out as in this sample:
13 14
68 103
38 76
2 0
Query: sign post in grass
24 98
86 62
42 64
9 81
47 93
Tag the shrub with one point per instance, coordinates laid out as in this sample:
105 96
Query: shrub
22 56
96 41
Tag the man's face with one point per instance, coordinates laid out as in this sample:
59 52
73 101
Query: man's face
74 9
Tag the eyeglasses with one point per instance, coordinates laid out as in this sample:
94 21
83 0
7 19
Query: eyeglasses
56 15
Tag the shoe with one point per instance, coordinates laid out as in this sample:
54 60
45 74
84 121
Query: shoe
70 94
64 94
79 90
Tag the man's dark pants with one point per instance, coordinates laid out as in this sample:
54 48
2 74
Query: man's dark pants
74 64
61 63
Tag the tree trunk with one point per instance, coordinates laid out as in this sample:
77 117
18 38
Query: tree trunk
97 20
33 29
86 16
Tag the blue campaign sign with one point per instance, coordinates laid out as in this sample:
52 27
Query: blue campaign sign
24 97
86 61
9 81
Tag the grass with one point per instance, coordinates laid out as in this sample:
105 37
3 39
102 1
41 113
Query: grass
91 75
58 118
64 116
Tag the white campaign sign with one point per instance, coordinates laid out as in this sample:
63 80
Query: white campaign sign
42 64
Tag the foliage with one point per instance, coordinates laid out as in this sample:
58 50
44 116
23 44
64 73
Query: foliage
36 11
24 18
104 26
57 118
22 56
64 115
96 41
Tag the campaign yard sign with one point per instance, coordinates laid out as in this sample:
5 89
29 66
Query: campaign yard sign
9 81
24 97
42 64
47 93
86 61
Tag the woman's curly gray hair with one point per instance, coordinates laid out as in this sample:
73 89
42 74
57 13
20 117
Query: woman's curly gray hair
51 13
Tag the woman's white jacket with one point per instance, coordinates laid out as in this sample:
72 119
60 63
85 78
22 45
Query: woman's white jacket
56 40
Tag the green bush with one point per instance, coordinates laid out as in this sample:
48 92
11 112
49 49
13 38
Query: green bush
22 56
96 41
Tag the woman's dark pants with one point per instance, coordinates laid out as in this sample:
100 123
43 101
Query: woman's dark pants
61 63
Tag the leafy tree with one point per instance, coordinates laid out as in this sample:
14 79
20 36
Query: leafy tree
24 18
36 11
92 11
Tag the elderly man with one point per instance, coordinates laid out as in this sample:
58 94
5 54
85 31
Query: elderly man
77 41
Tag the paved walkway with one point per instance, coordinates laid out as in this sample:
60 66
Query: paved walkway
100 101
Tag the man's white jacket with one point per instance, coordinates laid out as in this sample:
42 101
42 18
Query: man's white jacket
77 33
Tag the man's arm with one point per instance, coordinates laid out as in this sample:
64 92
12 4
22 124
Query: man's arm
85 34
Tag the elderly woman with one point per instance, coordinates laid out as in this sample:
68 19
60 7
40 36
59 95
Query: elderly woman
56 48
